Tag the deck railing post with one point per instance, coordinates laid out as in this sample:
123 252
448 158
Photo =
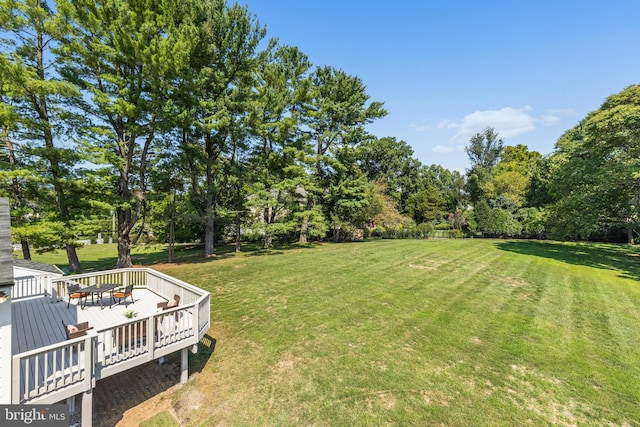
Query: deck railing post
87 408
196 322
15 381
184 365
89 374
151 337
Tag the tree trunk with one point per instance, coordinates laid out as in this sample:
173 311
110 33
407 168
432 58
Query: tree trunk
303 231
268 219
237 231
17 191
172 226
209 236
630 239
172 238
124 238
336 234
124 252
26 251
72 256
40 104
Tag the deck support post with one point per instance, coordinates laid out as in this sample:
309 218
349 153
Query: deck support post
184 372
87 408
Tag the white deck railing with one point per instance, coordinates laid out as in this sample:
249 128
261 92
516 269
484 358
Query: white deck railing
61 370
159 283
45 371
31 286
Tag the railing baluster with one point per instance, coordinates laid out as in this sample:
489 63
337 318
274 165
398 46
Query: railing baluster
46 371
54 383
36 371
28 376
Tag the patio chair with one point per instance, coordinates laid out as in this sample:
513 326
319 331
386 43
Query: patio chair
165 305
75 331
74 292
122 294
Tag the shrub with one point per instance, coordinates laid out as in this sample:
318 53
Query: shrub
424 229
456 234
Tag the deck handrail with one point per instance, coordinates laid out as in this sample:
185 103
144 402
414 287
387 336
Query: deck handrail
29 286
125 276
54 346
50 369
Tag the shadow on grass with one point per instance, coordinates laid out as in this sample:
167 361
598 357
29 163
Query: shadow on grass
206 347
149 255
105 257
183 254
282 248
193 254
622 258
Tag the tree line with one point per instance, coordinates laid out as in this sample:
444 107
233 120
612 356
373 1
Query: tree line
181 121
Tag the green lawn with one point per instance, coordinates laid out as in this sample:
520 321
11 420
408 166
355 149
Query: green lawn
163 419
407 332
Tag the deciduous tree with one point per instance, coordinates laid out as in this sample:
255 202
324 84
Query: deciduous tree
484 151
595 170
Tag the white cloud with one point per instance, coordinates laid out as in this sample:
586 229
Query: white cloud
447 124
553 117
561 111
549 119
420 127
447 149
508 122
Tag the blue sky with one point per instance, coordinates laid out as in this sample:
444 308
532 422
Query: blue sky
447 69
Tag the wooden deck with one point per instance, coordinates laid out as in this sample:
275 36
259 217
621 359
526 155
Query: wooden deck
48 368
37 321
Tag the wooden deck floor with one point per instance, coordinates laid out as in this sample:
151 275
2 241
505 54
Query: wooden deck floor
37 322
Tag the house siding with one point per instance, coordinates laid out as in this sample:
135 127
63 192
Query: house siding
6 282
6 254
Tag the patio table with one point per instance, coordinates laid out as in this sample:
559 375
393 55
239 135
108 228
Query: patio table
99 290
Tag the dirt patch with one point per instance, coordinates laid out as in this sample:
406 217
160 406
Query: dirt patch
383 399
513 282
432 265
286 365
522 392
381 366
434 398
475 340
523 371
